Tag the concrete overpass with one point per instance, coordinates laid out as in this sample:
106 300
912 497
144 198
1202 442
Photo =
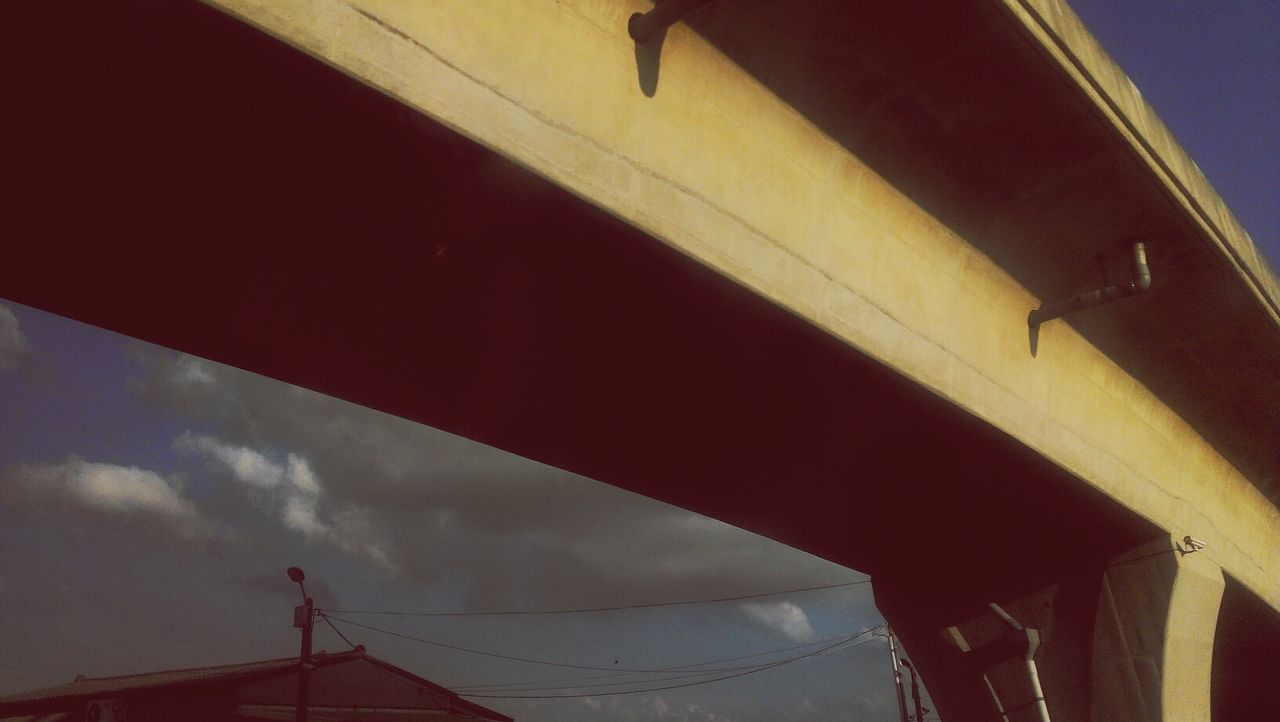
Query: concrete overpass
774 266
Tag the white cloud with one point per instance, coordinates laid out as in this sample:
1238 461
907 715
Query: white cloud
659 708
300 476
191 370
784 617
292 490
13 345
299 514
107 489
248 466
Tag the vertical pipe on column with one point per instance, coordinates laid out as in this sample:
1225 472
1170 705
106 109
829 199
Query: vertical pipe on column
995 698
897 678
1033 643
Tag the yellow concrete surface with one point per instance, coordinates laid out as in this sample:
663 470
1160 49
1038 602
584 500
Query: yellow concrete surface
719 168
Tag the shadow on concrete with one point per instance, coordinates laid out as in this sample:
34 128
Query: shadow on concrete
648 63
1246 657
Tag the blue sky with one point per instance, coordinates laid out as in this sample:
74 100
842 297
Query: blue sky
1212 72
149 501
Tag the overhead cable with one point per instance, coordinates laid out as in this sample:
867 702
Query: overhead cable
483 653
337 631
691 668
591 610
755 670
530 660
847 642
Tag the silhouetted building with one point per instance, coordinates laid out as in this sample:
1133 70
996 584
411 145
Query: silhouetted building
345 687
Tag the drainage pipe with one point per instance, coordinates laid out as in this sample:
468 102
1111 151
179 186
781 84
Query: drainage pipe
995 698
1140 282
1032 637
897 678
915 690
643 26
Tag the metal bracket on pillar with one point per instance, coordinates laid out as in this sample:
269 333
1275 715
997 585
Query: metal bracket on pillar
1193 545
643 26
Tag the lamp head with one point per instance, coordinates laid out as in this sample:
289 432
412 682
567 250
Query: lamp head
296 575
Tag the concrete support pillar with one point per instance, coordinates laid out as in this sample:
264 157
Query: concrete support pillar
1153 637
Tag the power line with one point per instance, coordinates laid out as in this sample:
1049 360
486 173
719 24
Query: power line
484 653
591 610
674 669
337 631
544 662
686 670
664 687
850 641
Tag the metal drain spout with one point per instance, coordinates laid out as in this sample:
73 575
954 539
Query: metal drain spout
1140 282
643 26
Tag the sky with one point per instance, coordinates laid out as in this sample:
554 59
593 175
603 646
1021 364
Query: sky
150 501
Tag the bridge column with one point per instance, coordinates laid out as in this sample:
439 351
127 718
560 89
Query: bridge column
1153 635
1130 637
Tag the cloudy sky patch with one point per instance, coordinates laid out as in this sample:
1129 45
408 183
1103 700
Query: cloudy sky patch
384 514
786 618
108 489
247 465
289 488
13 344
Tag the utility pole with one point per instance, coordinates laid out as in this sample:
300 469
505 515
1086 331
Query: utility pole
303 617
897 675
915 690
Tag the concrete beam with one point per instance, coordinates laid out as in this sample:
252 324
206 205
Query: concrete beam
719 168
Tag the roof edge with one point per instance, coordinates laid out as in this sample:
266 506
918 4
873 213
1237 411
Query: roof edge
455 698
164 678
1067 41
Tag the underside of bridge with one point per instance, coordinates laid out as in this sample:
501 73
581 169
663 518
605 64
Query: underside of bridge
241 202
189 181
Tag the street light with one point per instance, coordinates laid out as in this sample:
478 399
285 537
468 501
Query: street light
302 619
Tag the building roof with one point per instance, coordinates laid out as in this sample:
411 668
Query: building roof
83 689
86 687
